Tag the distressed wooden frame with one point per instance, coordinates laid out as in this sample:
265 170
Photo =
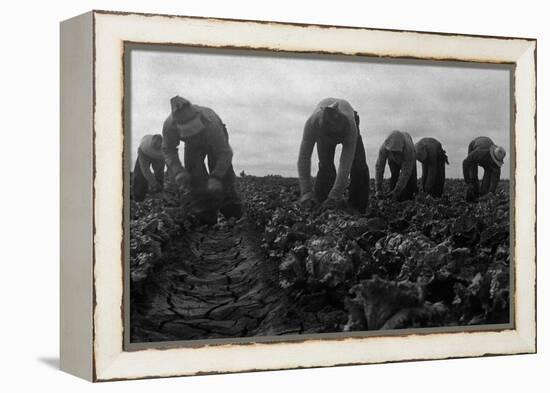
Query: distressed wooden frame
92 219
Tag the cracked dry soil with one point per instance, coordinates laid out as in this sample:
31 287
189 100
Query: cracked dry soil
215 283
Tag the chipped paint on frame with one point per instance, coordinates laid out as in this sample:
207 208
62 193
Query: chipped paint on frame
117 364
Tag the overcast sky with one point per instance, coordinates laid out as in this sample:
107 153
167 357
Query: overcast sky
264 100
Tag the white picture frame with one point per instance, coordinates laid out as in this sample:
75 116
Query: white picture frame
92 190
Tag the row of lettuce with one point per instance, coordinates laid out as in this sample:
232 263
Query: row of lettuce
427 262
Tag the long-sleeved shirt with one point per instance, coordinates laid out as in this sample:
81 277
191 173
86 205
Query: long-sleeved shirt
431 154
316 132
212 139
479 154
398 141
146 155
429 151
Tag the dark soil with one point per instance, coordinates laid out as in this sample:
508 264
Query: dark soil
285 270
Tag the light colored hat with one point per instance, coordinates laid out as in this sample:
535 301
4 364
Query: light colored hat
395 141
150 146
183 109
179 103
497 154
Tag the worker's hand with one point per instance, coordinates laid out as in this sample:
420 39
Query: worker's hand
331 203
214 185
382 195
308 200
483 198
154 186
183 179
470 193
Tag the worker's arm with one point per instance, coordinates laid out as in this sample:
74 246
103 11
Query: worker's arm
380 166
409 161
470 162
429 181
170 142
219 142
145 167
346 161
304 159
495 178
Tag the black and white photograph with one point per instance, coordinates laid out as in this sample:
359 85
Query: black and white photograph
283 195
248 196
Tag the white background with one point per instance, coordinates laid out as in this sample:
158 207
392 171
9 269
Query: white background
29 197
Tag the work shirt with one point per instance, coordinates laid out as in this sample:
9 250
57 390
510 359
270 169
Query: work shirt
429 151
146 155
396 141
433 158
479 154
314 133
212 139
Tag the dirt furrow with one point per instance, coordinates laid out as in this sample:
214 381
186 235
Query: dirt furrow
217 286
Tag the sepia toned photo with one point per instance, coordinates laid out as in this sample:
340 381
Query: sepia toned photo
279 195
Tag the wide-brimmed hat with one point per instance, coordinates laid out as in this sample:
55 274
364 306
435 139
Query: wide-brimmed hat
150 146
497 154
190 122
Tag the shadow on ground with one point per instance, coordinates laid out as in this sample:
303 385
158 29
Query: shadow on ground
52 362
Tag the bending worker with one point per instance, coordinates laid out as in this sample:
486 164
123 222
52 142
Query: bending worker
482 152
398 151
433 159
149 155
204 136
334 122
